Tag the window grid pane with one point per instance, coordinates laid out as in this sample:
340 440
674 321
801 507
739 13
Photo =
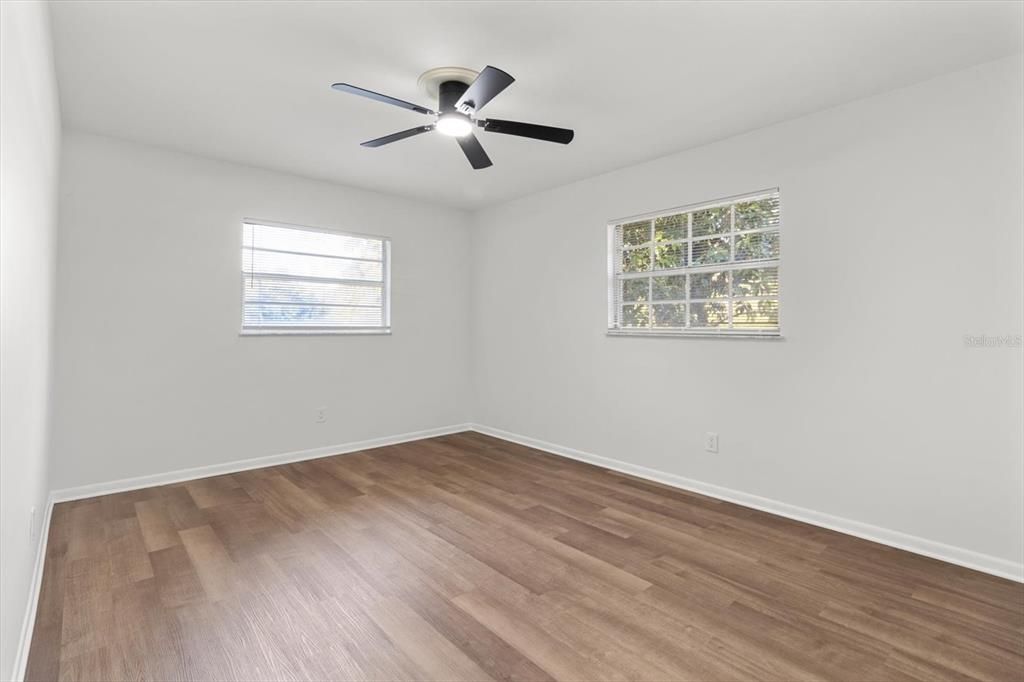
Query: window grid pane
711 268
307 280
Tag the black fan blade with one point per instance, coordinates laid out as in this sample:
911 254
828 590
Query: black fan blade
395 137
345 87
486 87
474 151
532 130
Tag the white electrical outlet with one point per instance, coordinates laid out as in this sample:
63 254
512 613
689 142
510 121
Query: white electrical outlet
31 524
320 415
711 441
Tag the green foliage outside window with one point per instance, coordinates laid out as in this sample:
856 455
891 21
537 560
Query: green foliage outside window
729 236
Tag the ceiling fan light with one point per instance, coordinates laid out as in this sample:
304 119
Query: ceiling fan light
454 125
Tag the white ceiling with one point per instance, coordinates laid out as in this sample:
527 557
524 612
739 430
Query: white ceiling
249 81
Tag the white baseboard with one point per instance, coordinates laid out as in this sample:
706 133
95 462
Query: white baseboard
893 538
124 484
29 623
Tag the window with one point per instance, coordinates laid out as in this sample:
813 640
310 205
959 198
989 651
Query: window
303 280
707 269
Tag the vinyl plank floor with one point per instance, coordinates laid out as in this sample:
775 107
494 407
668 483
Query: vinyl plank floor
466 557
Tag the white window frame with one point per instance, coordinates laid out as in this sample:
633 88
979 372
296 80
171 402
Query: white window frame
615 275
319 331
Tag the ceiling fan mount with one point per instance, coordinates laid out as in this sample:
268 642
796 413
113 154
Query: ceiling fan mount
461 93
430 81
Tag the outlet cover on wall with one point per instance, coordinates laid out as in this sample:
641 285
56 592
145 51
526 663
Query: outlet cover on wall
711 441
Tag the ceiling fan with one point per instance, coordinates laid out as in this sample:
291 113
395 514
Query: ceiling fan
461 94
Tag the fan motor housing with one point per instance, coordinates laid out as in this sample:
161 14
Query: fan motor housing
448 93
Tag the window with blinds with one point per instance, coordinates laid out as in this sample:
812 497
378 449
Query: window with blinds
302 280
707 269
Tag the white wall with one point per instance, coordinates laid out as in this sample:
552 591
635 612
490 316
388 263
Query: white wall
30 141
902 233
152 375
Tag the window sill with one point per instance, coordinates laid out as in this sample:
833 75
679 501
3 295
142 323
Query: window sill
665 333
315 332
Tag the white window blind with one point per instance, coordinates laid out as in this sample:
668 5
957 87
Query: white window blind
307 280
707 269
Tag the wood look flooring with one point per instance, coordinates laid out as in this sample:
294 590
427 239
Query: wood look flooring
470 558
